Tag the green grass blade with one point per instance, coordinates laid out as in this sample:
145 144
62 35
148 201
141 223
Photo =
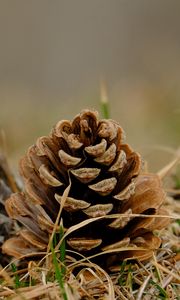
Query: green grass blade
62 248
105 110
129 278
104 101
16 277
162 292
177 181
58 273
121 279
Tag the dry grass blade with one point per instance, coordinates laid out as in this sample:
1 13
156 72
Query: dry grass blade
167 169
40 291
64 197
142 289
166 270
172 192
111 216
6 276
96 280
76 227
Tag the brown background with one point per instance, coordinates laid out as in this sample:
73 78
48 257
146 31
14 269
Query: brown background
53 54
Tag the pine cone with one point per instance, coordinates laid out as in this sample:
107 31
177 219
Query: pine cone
106 178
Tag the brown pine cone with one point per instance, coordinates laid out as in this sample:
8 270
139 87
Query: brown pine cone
106 178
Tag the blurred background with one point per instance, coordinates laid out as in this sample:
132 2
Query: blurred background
54 53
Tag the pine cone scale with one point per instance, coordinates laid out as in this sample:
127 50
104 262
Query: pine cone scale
154 198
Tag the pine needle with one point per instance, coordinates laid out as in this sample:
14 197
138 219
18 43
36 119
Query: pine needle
58 273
